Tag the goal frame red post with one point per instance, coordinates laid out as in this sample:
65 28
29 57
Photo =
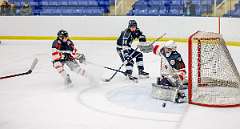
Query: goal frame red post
198 81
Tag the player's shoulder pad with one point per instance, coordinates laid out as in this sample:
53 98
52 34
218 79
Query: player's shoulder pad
177 56
55 43
70 42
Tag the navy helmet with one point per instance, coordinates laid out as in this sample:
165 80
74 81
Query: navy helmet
62 33
132 23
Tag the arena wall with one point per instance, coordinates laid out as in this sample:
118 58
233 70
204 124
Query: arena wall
109 27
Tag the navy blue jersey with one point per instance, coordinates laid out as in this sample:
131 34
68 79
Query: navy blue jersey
60 48
127 37
175 59
63 46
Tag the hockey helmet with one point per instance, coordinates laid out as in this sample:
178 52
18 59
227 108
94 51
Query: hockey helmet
62 33
132 23
170 44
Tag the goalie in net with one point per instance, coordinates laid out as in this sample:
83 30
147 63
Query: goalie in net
172 71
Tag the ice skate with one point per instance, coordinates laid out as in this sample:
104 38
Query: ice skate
143 74
68 82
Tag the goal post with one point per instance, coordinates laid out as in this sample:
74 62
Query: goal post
213 78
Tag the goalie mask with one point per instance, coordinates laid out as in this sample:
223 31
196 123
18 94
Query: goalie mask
169 47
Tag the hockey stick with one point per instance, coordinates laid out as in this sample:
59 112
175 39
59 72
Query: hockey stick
34 63
109 79
106 67
119 69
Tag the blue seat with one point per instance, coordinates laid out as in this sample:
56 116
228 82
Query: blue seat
33 3
44 3
155 2
73 2
196 2
92 3
53 3
67 11
206 2
153 11
176 11
141 3
46 12
103 2
83 3
177 2
236 13
63 3
140 12
57 11
205 9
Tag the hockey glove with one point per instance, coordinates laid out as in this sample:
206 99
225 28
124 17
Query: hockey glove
68 57
81 58
145 47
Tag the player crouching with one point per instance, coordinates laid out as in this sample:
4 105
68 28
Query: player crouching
64 52
170 83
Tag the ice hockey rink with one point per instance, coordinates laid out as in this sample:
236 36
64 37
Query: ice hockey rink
40 100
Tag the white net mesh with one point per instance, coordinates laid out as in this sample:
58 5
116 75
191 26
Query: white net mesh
215 79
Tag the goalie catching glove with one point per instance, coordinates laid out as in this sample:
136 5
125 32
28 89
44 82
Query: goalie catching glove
144 46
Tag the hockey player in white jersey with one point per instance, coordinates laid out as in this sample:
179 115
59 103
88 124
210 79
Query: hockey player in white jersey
172 67
172 70
65 53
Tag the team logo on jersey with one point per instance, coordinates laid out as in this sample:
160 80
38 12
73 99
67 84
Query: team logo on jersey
172 62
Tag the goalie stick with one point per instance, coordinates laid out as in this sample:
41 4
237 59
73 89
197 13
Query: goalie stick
34 63
109 79
172 72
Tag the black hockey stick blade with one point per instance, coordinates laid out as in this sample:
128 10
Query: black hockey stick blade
34 63
109 79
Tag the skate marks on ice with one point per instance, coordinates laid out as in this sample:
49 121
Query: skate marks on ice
120 100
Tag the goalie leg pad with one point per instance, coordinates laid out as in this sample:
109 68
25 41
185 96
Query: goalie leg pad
163 92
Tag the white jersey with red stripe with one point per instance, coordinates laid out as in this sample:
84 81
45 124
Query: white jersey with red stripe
174 59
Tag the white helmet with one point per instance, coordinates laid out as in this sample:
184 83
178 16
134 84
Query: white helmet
170 44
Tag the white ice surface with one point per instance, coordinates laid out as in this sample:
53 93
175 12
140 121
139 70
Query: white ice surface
40 101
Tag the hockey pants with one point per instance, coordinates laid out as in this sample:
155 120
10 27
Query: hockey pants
131 53
73 66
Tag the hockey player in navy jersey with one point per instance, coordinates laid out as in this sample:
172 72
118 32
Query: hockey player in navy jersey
65 53
127 53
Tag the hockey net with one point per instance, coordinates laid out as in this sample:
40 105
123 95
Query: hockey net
213 77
